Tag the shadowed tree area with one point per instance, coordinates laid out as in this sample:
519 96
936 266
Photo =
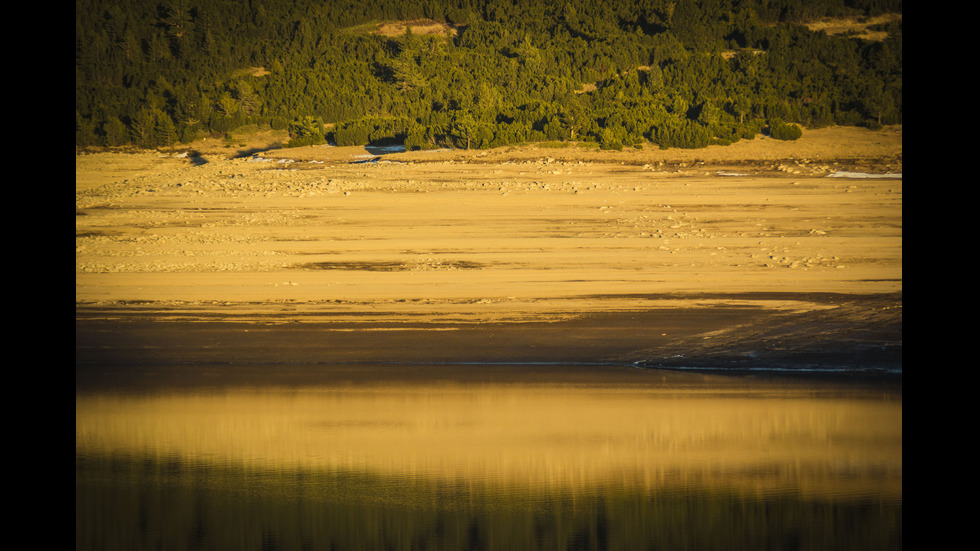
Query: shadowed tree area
495 72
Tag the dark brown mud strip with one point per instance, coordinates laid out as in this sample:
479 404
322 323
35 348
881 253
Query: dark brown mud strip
592 338
860 332
140 353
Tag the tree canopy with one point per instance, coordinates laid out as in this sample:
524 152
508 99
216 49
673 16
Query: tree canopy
678 74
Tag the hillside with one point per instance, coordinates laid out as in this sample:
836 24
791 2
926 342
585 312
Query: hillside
485 74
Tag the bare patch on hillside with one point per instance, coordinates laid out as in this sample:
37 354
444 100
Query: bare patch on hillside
418 26
251 71
732 54
859 27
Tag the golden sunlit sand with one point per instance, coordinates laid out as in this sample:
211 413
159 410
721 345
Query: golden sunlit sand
462 238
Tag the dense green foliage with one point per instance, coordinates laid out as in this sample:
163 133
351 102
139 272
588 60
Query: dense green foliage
172 502
679 73
784 131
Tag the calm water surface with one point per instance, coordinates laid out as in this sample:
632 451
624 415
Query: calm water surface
482 457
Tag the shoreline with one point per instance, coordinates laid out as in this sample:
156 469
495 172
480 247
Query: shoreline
516 255
839 333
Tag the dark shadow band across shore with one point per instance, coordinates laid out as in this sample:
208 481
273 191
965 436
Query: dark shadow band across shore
859 334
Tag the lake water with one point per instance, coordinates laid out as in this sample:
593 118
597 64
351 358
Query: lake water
483 457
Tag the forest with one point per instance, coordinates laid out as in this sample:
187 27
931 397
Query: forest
674 73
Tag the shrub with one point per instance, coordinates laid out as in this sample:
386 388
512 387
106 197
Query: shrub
306 131
278 123
300 141
784 131
351 134
192 132
387 129
420 137
608 140
372 130
686 134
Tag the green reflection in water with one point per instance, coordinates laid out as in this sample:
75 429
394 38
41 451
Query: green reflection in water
126 503
490 466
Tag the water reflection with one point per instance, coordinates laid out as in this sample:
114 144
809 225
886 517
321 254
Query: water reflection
502 465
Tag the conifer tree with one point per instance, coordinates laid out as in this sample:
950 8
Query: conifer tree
114 131
165 131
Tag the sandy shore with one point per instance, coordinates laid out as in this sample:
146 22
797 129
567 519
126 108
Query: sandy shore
760 253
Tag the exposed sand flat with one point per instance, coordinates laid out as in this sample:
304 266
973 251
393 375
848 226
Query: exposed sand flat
447 239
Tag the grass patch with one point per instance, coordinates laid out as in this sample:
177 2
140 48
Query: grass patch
554 145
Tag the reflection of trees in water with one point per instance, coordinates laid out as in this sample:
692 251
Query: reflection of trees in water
134 503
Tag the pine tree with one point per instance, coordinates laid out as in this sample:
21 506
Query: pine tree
176 19
141 127
741 105
115 132
165 131
227 104
248 102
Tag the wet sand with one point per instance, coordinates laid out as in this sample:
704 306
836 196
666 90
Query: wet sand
841 340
